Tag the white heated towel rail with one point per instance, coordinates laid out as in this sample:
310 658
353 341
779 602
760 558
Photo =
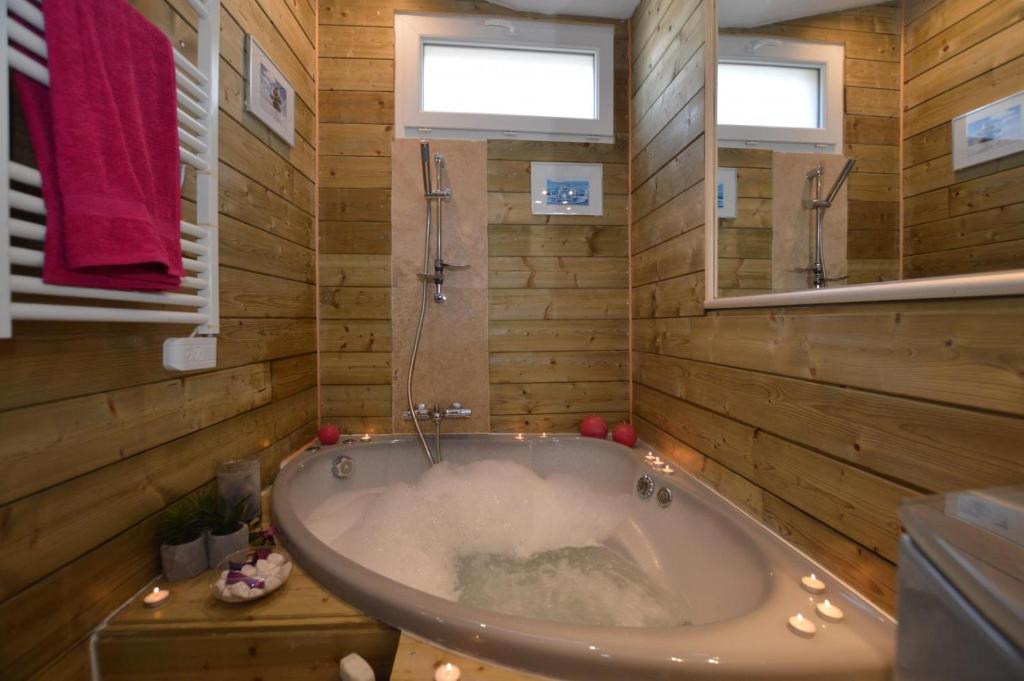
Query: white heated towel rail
23 294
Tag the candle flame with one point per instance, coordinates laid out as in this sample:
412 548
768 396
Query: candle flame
799 617
813 576
827 604
156 589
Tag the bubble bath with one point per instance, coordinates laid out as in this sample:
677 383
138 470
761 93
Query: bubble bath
496 535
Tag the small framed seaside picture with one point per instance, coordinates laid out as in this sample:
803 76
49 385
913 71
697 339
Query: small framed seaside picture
726 193
990 132
268 94
567 188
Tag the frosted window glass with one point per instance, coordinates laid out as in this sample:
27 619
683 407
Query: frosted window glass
511 82
769 96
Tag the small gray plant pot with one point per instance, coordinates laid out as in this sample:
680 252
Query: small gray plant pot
182 561
220 546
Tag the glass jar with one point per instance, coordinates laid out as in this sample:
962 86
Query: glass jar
237 480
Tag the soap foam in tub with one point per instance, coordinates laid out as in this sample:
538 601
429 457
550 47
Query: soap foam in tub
461 526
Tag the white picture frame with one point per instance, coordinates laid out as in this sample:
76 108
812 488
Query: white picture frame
989 132
726 194
567 188
269 96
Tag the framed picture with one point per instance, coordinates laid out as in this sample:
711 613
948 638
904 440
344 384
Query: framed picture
567 188
726 193
993 131
268 94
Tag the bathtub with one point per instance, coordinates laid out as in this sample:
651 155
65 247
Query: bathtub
742 582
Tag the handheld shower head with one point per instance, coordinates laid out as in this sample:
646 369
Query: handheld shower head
425 162
843 175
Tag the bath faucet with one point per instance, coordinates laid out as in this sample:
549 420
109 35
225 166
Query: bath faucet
820 205
455 410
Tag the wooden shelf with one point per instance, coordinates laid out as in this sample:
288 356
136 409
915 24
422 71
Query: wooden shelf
298 633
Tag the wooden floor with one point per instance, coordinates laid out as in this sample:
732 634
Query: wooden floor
417 661
297 634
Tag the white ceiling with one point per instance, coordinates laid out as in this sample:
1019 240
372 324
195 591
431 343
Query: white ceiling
750 13
731 13
612 9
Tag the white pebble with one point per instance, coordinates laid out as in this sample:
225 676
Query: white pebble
248 570
284 571
271 584
221 584
263 567
240 590
275 559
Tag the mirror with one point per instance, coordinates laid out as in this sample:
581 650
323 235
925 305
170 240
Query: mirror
875 143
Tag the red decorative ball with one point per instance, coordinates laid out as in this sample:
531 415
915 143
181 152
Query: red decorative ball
328 434
624 434
594 426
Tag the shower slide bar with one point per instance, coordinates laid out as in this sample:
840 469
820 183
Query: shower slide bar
20 185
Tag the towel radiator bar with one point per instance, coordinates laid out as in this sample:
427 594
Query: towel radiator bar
198 96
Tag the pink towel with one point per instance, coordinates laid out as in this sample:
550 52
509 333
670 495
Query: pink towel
105 138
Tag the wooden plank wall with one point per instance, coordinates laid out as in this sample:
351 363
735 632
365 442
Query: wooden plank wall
960 54
816 420
558 298
745 242
98 438
871 36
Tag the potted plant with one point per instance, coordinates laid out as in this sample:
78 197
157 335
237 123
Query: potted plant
224 529
182 548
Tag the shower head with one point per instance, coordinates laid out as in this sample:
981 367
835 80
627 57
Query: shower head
425 162
843 175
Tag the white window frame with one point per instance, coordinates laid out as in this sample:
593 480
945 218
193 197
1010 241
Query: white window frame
412 31
827 58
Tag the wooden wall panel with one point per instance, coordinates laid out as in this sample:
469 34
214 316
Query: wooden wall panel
559 297
819 420
871 100
961 54
99 439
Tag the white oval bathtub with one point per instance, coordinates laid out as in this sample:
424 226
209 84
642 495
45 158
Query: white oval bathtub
729 583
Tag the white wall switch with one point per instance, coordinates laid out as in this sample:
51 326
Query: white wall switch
189 354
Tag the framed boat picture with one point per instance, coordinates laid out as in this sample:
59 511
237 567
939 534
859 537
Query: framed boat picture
268 94
567 188
989 132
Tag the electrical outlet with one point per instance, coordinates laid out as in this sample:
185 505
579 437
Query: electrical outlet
189 354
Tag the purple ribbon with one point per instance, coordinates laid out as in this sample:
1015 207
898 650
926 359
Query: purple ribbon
235 577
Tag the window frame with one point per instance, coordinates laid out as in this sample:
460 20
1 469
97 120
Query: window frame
827 58
413 30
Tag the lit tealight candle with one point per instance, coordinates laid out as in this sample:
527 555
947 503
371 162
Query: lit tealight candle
156 598
801 626
813 584
366 437
447 672
832 613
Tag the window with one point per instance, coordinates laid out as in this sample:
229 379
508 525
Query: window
780 94
480 77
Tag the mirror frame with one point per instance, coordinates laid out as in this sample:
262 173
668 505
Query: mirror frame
985 284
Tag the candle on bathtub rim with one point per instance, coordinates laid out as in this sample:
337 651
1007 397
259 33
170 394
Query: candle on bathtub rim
833 613
813 584
366 437
156 597
801 626
447 672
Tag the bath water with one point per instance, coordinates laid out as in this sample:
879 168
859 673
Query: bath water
495 535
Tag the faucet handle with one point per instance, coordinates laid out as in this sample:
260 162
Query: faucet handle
448 266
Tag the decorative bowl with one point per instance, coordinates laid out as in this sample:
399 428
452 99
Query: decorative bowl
251 574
